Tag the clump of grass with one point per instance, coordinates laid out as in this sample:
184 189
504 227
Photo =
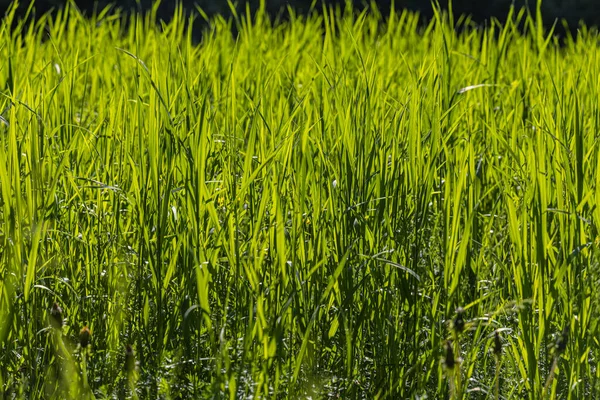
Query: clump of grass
290 210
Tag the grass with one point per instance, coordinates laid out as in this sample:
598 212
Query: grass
299 210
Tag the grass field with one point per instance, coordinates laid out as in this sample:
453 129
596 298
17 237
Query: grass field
298 211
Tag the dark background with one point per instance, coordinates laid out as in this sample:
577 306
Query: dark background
573 11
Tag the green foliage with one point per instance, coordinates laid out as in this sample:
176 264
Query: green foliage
299 210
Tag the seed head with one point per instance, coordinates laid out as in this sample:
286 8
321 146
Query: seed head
562 340
84 337
129 359
56 316
497 344
459 323
449 361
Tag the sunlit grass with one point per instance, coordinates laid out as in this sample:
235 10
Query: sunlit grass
298 210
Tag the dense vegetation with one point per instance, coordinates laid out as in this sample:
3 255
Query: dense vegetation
335 206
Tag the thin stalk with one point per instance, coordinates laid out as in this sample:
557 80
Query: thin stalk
497 378
457 371
550 377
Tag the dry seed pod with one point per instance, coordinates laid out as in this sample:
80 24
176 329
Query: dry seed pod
449 361
84 337
562 340
56 316
497 344
459 323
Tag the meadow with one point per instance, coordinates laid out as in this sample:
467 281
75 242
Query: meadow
338 205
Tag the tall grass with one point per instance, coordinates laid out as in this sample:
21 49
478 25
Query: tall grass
298 210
